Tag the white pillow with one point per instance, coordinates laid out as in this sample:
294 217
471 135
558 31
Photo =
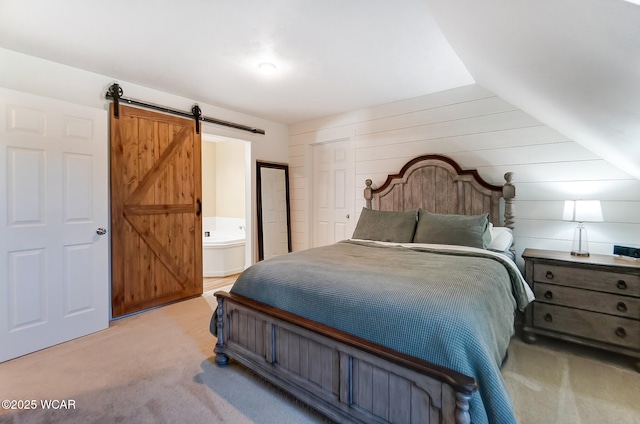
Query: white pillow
501 238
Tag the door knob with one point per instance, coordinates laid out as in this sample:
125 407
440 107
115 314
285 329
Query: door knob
101 231
347 216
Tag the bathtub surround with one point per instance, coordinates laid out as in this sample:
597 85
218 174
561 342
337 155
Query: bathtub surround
232 227
223 246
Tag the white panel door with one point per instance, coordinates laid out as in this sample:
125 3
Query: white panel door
333 199
54 275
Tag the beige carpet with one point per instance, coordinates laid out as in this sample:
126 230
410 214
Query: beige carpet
156 367
554 382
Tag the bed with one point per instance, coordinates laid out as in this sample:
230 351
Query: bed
408 321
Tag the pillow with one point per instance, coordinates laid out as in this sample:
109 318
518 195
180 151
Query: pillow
501 238
391 226
461 230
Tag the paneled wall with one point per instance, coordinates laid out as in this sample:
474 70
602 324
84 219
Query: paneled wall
478 130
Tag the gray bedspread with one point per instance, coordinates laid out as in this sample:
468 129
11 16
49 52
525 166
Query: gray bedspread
454 309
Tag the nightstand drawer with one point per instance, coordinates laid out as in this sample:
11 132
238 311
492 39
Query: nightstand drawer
590 325
628 307
607 281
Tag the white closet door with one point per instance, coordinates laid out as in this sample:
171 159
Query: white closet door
333 198
54 274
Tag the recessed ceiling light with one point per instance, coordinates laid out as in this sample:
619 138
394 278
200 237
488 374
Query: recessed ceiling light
267 68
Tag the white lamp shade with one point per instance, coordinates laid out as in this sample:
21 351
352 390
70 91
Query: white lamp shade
582 211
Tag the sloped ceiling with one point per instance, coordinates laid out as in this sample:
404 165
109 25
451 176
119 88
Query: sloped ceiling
572 64
332 56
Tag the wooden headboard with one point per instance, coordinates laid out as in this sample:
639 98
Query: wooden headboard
438 184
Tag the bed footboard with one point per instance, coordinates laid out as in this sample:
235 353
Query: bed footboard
344 377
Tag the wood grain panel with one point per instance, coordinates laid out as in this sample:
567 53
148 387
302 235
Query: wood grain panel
420 406
587 324
363 393
401 389
344 380
588 278
242 330
251 333
305 362
327 366
429 175
156 235
294 353
315 358
282 347
623 306
380 393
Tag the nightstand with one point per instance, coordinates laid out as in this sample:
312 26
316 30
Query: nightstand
594 301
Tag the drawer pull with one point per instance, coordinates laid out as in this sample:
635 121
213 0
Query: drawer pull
620 332
622 285
621 307
548 294
549 275
549 318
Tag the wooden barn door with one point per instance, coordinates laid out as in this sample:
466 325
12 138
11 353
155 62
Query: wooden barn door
156 227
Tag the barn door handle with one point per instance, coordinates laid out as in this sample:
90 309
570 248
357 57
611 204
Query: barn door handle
199 210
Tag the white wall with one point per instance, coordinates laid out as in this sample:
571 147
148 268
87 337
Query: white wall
45 78
478 130
209 200
230 176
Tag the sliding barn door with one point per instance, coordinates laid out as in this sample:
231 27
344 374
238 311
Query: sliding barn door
156 228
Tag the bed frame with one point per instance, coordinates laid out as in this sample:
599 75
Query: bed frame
348 378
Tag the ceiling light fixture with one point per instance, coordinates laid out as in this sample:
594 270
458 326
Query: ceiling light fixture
267 68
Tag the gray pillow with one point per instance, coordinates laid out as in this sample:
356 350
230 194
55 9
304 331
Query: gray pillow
461 230
391 226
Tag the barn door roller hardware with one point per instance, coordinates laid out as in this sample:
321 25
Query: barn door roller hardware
115 93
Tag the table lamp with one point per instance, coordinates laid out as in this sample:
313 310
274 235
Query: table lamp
581 211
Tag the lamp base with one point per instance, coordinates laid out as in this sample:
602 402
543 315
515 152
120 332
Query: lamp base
581 254
580 245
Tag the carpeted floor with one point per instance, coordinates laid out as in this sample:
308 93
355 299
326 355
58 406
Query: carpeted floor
157 367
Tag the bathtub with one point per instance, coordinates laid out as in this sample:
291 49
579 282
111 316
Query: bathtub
222 254
223 247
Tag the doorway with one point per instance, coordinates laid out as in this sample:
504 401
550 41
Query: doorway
226 204
333 195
